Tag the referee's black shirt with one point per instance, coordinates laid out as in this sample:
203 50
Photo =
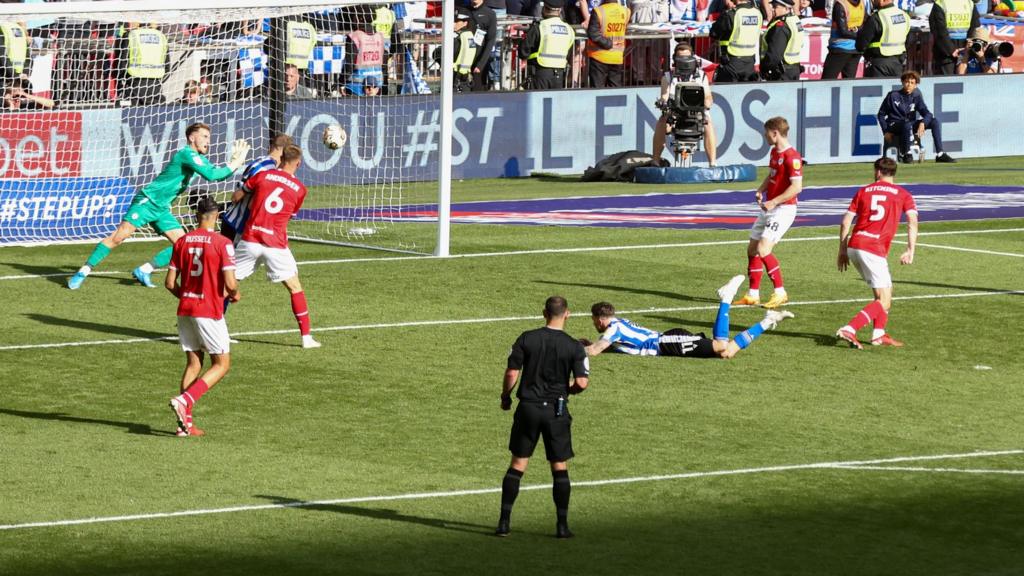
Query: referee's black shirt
546 358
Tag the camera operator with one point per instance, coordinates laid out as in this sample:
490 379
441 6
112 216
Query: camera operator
685 68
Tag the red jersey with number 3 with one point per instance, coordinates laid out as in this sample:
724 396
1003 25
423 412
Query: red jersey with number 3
878 208
784 167
200 257
276 197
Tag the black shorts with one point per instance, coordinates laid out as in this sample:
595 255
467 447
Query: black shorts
679 342
533 420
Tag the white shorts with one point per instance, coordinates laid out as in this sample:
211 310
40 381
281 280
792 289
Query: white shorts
196 334
279 261
772 225
874 269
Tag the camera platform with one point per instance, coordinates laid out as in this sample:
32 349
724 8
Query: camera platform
694 175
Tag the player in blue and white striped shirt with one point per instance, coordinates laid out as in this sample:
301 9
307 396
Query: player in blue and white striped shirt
621 335
236 213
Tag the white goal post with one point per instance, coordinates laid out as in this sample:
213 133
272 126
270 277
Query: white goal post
100 98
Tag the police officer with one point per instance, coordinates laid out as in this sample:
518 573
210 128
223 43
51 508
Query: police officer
606 44
883 40
147 59
465 50
950 22
737 31
545 358
843 57
781 44
15 51
546 48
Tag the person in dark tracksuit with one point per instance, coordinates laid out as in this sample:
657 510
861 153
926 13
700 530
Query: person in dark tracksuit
904 117
542 361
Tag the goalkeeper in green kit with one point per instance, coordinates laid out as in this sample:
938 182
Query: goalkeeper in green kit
152 204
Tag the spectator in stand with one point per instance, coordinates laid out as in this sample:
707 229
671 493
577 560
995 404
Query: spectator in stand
974 61
17 98
606 44
486 24
782 43
292 88
883 40
904 117
737 31
371 86
950 22
843 57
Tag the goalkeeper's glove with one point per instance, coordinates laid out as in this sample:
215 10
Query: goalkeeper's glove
239 150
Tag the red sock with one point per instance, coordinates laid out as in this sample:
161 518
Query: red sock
194 393
301 312
881 319
867 314
755 268
774 271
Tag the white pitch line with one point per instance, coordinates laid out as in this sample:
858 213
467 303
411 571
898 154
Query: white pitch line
852 464
545 251
450 322
943 470
961 249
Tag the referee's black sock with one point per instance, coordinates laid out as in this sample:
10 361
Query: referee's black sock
560 489
509 492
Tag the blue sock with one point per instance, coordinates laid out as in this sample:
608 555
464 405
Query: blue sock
721 330
746 337
227 302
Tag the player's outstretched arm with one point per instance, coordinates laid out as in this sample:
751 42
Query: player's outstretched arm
596 348
507 385
908 255
239 150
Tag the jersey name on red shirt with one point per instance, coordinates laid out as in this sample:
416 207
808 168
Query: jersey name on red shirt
785 167
276 197
200 257
878 208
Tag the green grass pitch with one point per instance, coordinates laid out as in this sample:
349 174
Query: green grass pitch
398 424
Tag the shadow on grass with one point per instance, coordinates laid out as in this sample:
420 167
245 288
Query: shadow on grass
130 427
102 328
632 290
951 286
734 329
381 514
55 274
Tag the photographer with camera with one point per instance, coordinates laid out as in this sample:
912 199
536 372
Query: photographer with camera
685 69
781 44
981 56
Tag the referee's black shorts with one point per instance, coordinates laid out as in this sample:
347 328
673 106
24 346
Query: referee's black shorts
535 419
680 342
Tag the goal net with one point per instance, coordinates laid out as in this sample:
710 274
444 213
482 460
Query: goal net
99 99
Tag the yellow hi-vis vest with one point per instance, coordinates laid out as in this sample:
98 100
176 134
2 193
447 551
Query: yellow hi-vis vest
16 45
613 19
147 53
958 17
301 40
854 14
467 53
556 40
895 28
383 21
746 30
796 40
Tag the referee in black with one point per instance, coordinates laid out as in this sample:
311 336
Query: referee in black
545 357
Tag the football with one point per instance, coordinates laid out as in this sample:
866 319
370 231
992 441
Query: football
334 136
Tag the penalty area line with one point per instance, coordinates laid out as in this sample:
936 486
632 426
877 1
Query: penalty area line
455 322
843 465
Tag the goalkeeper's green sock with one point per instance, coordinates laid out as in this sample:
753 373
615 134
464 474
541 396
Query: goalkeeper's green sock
162 258
100 252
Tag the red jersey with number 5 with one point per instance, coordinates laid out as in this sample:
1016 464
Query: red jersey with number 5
878 208
200 257
276 197
784 167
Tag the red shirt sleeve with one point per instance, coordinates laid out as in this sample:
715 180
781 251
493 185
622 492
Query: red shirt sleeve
175 263
794 164
254 181
855 203
908 202
227 256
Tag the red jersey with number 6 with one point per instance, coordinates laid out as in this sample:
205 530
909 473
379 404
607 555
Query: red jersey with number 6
784 167
878 208
200 257
276 197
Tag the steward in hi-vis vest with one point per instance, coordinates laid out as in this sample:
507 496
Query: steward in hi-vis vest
950 22
364 59
465 50
843 56
782 43
606 44
301 40
738 31
15 56
883 39
546 48
146 65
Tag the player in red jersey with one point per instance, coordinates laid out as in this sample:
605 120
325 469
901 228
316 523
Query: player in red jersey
877 208
276 196
204 261
777 198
